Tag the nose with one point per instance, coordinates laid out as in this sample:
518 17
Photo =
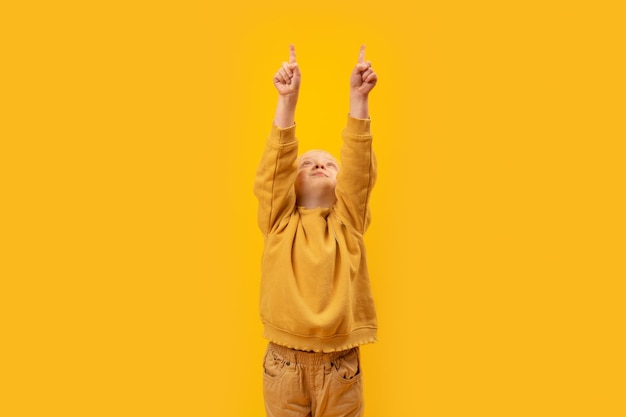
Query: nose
320 166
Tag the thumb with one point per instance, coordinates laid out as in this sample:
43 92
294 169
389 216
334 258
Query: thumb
362 66
295 68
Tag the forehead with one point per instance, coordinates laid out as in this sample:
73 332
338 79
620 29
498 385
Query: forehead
317 154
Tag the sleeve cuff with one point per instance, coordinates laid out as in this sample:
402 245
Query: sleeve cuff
357 127
283 136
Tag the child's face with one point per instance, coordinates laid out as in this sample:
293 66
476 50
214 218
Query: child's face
317 175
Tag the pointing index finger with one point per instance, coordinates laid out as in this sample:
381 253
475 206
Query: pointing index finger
292 54
362 54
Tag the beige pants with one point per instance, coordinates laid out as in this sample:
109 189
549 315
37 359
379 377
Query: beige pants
308 384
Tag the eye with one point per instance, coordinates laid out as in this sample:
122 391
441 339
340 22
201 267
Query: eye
305 163
332 164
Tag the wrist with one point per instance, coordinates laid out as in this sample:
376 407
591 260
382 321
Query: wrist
359 107
357 97
285 110
288 100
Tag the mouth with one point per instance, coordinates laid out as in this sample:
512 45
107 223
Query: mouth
319 174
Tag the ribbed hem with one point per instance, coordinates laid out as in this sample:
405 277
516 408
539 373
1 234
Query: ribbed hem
358 337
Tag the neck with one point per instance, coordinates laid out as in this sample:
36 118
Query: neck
312 201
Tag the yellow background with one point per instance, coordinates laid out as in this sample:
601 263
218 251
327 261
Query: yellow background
130 134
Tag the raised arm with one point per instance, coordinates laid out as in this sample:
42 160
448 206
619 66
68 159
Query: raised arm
287 83
273 185
357 175
362 81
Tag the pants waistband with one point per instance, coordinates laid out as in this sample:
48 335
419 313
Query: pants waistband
308 358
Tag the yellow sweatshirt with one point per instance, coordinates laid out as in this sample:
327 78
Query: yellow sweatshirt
315 288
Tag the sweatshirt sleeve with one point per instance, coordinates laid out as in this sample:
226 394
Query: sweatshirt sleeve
275 176
357 174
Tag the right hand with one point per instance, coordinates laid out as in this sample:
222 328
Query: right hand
287 78
363 78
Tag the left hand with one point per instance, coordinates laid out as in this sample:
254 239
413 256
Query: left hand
363 78
287 78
